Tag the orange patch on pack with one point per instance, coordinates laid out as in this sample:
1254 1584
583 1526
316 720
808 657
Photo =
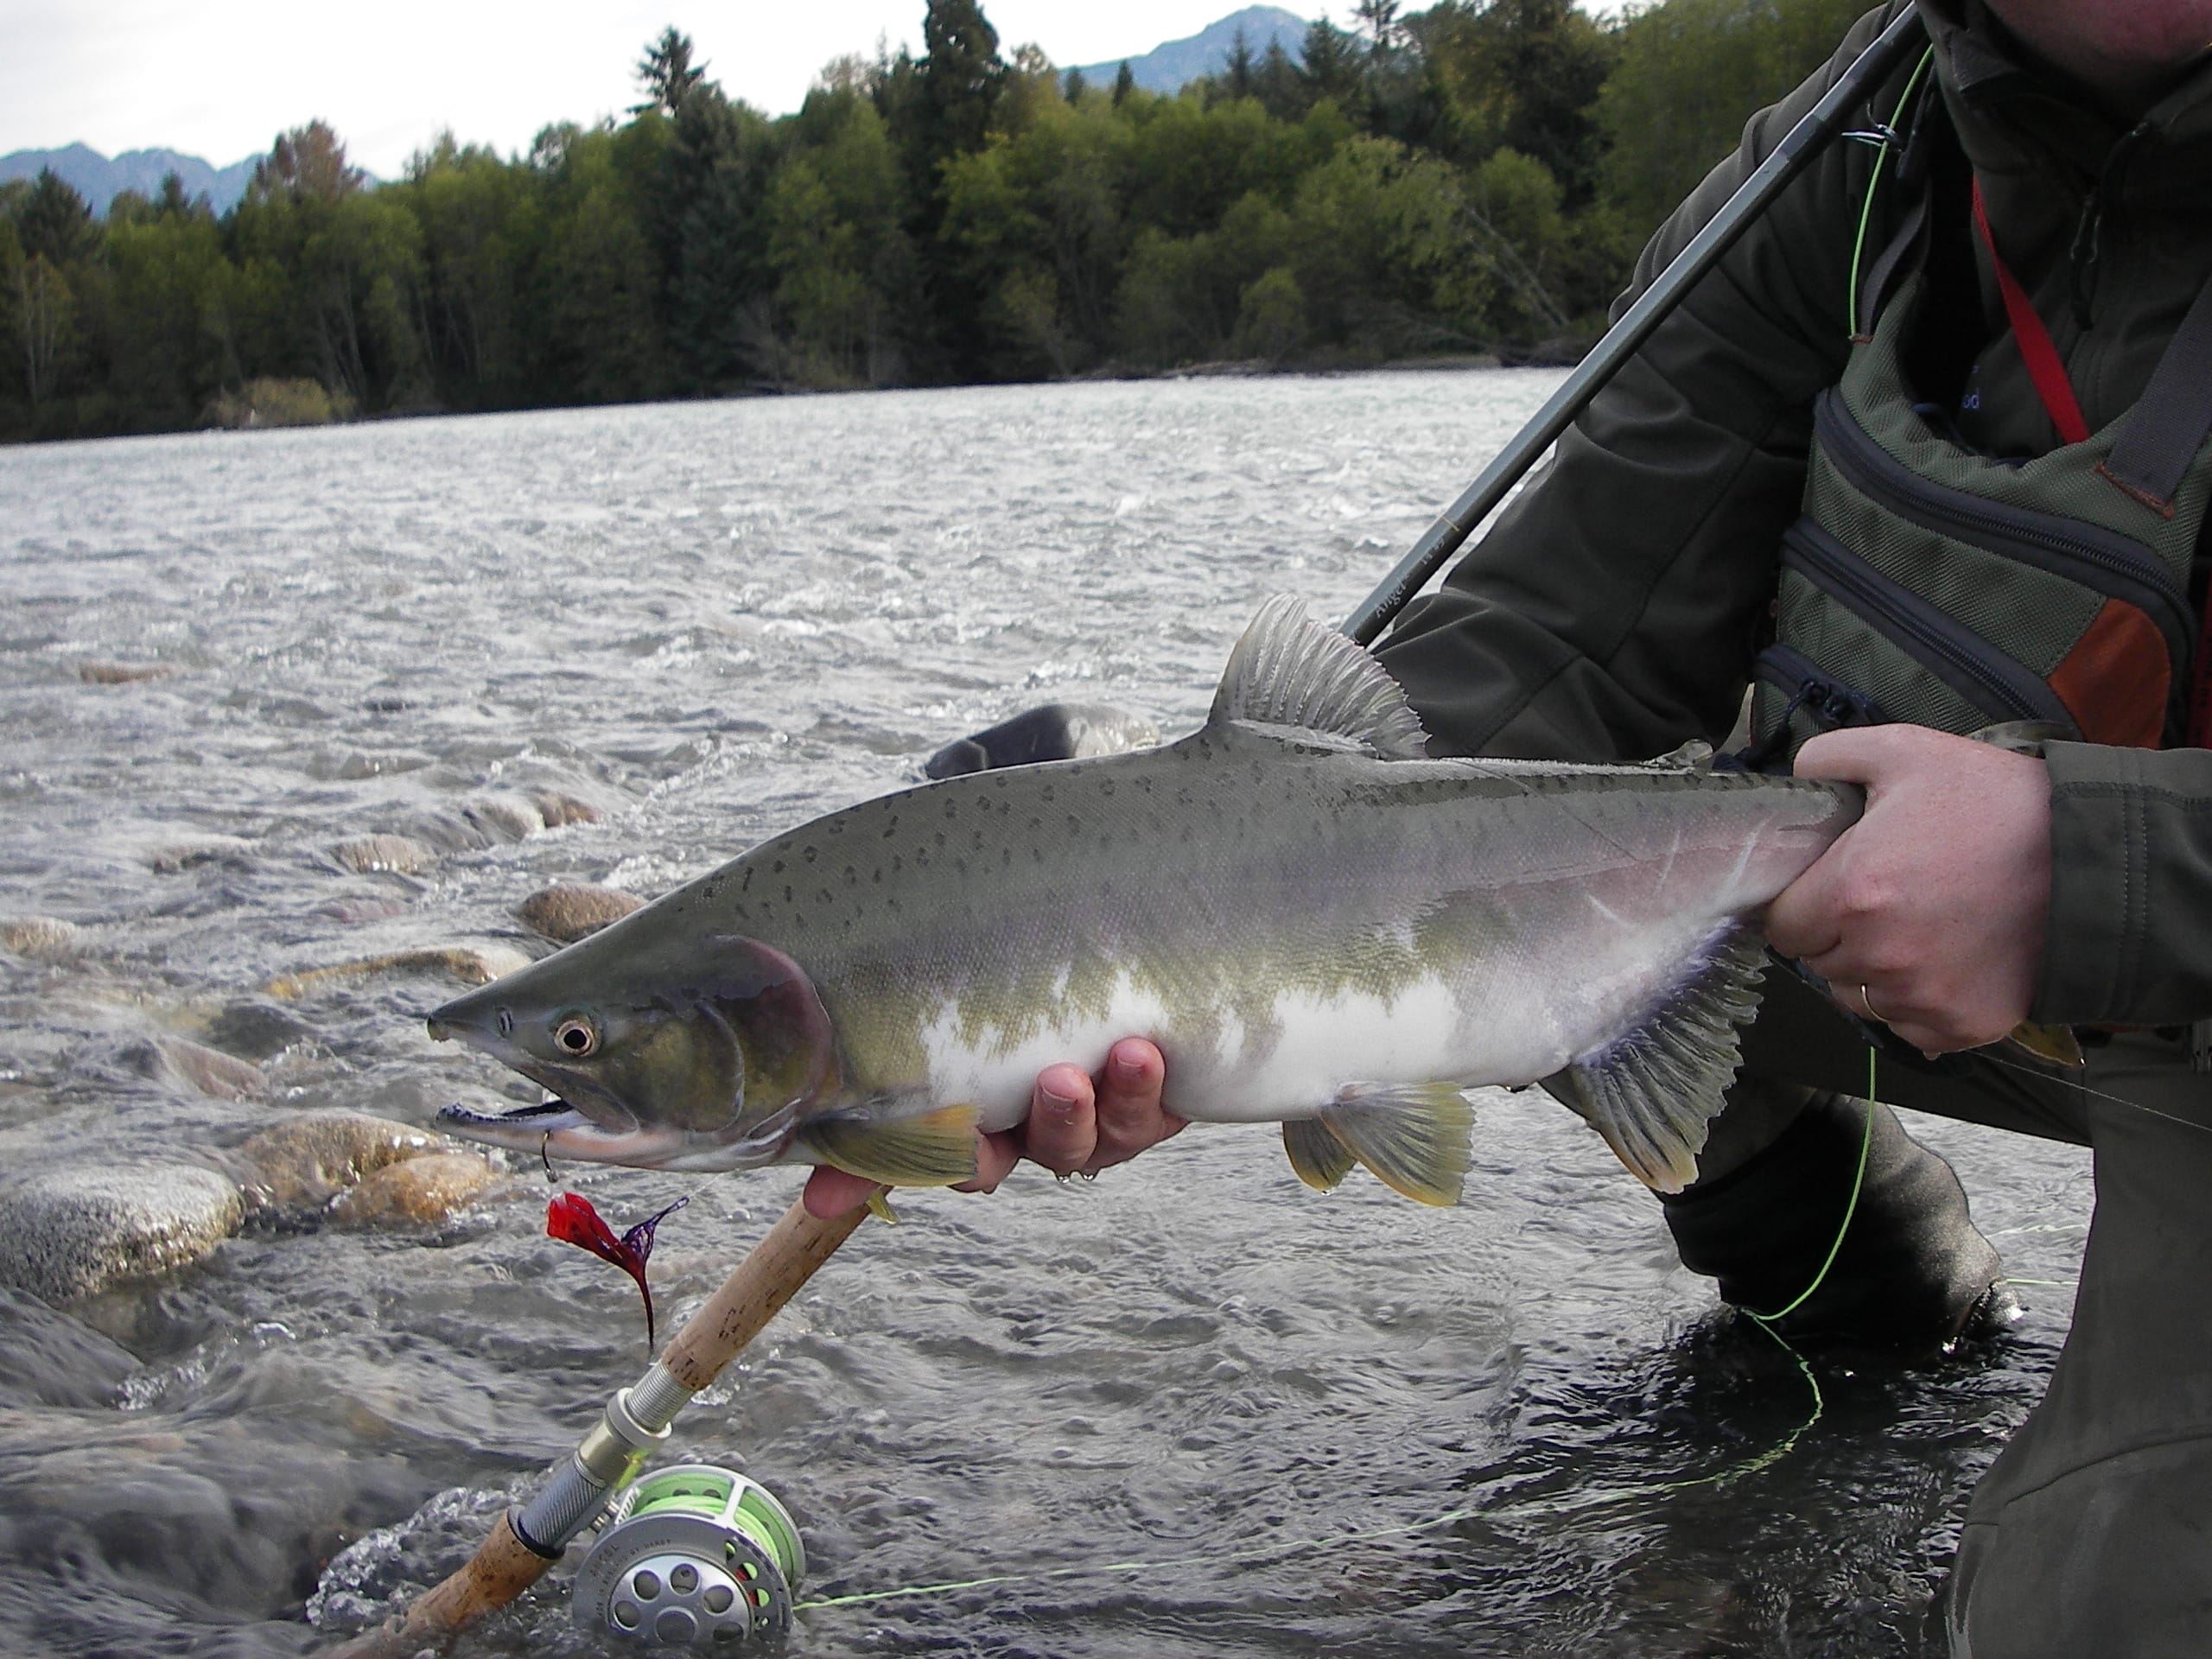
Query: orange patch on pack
2116 679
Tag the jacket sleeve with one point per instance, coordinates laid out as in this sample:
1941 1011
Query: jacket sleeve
1612 610
2131 889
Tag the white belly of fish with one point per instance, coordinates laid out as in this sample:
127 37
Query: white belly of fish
1287 1064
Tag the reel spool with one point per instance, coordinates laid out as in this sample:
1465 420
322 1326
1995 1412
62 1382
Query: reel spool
692 1556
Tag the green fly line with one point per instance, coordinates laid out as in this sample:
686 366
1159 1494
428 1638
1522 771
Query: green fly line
1750 1466
1866 207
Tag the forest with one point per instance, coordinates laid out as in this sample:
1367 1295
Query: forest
1475 178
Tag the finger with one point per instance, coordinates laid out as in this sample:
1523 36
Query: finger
1130 1115
1849 755
995 1157
833 1192
1801 921
1062 1133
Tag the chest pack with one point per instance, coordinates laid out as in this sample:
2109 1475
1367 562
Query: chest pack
1928 583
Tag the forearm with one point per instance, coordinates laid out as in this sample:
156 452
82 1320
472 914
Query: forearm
2129 939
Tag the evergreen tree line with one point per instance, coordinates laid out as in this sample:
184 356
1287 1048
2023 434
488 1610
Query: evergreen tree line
1473 177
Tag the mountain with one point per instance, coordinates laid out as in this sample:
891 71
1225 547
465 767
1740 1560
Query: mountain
1166 68
97 179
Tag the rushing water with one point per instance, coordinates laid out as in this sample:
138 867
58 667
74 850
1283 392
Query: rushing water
1312 1422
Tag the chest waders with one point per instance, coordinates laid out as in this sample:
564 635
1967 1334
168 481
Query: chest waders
1927 583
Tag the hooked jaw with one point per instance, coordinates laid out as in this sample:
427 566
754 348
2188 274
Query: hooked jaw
578 1121
555 1129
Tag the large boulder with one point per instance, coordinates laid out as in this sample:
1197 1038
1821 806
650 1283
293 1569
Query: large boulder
70 1231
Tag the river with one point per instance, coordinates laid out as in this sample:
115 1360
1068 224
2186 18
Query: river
1190 1408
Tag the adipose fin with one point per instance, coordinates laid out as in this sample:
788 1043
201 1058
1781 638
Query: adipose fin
1655 1089
1414 1137
933 1149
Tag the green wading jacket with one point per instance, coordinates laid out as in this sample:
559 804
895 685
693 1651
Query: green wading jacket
1614 609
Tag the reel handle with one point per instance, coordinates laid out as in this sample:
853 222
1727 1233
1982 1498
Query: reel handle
504 1567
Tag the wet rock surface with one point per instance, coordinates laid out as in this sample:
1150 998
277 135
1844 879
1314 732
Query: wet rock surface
384 855
559 809
471 964
47 1359
122 673
206 1071
303 1162
43 938
566 912
424 1190
69 1232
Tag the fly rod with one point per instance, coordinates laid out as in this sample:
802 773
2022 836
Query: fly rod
1888 52
528 1539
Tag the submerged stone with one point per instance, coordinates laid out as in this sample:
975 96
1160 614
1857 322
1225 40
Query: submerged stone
558 810
209 1071
122 673
383 854
470 964
47 1359
304 1161
431 1188
69 1232
42 936
565 913
506 817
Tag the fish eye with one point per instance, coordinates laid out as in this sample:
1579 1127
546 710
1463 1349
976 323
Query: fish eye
576 1036
506 1022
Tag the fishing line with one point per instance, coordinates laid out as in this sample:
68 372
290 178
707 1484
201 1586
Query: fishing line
2044 1075
1753 1465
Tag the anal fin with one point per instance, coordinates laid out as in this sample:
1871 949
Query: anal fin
1654 1090
1320 1158
1414 1137
879 1143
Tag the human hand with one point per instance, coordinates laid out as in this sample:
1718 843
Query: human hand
1927 914
1076 1125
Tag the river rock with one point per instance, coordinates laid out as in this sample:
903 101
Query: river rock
122 673
565 913
383 854
69 1232
216 849
558 810
304 1161
259 1028
426 1189
43 937
471 964
506 817
213 1073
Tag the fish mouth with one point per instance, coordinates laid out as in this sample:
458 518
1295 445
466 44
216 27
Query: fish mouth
554 1128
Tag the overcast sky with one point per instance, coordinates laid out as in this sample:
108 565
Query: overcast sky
220 78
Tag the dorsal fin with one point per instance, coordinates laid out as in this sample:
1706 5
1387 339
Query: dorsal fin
1290 671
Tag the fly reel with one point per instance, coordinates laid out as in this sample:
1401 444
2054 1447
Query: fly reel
692 1556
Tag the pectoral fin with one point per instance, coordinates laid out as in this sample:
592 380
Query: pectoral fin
1320 1158
880 1142
1653 1092
1414 1137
